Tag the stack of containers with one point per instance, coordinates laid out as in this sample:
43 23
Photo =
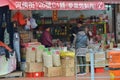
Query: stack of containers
114 64
68 63
68 66
33 60
100 62
52 64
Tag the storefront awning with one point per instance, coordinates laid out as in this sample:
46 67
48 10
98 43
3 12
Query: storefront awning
3 3
55 5
105 1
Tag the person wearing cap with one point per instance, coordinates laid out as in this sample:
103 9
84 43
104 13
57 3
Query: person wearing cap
46 38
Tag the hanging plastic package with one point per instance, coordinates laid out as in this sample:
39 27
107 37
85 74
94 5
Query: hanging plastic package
47 57
6 37
2 51
27 26
19 17
56 59
33 23
30 54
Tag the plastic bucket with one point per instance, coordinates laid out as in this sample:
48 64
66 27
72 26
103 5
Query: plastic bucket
114 74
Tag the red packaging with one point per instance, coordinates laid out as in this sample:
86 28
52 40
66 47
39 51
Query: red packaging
99 70
34 74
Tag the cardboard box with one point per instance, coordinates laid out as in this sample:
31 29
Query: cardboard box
25 40
68 71
87 57
34 67
100 63
87 69
67 62
34 40
100 55
24 35
53 71
30 54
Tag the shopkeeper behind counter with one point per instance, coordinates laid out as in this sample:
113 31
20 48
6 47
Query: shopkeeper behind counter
46 38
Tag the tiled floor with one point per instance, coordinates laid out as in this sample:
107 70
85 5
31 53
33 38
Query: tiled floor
99 76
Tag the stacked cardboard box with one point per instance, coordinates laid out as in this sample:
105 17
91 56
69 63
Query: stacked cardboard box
53 71
68 66
100 60
26 36
35 57
34 67
87 57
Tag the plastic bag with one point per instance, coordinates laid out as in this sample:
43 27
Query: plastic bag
47 57
67 54
39 53
7 66
56 59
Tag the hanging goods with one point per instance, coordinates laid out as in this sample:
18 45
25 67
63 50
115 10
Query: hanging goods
6 37
31 24
7 66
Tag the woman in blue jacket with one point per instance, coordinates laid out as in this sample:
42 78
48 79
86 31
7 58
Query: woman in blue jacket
81 44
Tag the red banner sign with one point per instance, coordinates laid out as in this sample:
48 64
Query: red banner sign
56 5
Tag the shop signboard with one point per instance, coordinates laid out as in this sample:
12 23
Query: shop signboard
55 5
55 15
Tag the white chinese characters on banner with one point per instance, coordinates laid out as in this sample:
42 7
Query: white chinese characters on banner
24 4
62 5
70 5
58 5
76 5
31 5
18 5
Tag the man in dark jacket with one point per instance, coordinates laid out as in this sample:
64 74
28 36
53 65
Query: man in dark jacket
74 31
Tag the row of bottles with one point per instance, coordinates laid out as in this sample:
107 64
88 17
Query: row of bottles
59 31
